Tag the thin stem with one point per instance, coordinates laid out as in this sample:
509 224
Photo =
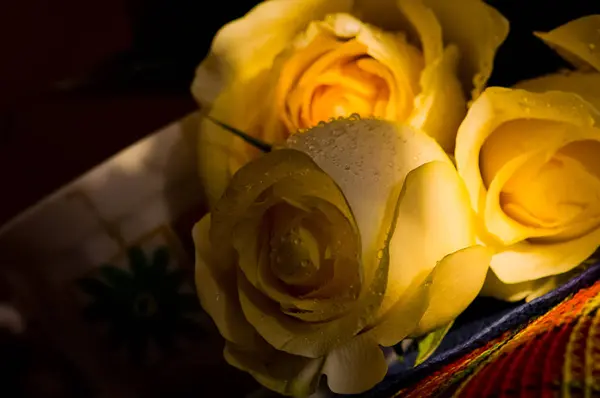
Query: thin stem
255 142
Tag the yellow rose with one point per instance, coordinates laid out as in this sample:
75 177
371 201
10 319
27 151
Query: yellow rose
530 161
309 263
289 64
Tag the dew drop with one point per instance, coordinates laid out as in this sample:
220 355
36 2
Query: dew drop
380 254
354 117
591 46
304 263
321 123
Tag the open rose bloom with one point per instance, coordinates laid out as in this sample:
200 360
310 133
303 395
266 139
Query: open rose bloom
355 236
289 64
530 158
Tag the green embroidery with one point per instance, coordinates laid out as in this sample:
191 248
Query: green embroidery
143 304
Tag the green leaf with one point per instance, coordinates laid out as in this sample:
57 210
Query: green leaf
430 343
137 261
160 260
94 287
117 277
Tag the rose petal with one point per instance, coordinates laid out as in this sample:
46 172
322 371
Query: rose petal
529 290
497 106
434 219
255 178
477 29
369 160
245 47
299 106
309 47
335 297
289 176
404 64
525 261
427 26
510 159
386 15
278 371
403 317
440 106
577 41
425 231
220 153
310 339
455 282
217 288
587 85
355 367
412 17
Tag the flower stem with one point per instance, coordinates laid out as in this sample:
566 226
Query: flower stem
255 142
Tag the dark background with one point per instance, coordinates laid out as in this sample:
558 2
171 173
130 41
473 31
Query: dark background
81 80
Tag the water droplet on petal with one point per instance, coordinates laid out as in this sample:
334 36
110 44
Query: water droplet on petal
591 46
380 254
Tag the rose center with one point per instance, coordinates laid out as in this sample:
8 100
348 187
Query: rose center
346 89
561 192
341 66
295 259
